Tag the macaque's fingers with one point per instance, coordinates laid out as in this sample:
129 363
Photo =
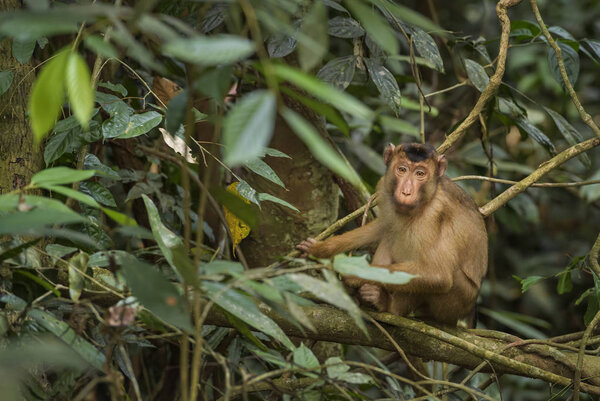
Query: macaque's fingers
306 246
370 293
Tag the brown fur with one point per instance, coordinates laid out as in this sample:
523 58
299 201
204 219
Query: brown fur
428 226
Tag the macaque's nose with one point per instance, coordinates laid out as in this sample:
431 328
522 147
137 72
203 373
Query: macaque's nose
407 189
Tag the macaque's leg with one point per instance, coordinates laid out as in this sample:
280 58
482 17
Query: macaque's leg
403 304
455 304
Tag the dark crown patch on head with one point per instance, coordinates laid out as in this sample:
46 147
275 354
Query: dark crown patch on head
416 152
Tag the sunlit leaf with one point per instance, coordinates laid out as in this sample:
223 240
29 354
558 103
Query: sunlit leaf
48 95
248 127
61 175
79 88
358 266
320 149
261 168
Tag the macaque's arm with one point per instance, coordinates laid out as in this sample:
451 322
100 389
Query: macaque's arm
356 238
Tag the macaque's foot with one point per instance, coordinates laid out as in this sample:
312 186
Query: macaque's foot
371 294
306 247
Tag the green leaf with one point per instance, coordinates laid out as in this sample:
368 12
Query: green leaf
338 370
280 45
140 124
164 237
91 162
339 71
305 358
60 329
264 170
25 25
358 266
407 15
399 126
60 175
375 25
332 292
235 205
524 28
210 51
119 218
527 282
368 156
79 89
99 46
23 49
48 95
248 127
244 308
99 192
320 149
385 83
571 61
268 197
427 48
565 284
594 48
118 88
345 27
6 78
315 43
71 193
571 135
477 75
536 134
156 293
325 92
176 109
78 265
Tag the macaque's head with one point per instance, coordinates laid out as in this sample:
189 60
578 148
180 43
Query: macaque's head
413 171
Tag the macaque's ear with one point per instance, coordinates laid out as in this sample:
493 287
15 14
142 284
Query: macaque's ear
388 153
442 164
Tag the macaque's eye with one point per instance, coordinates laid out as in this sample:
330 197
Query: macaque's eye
420 173
402 169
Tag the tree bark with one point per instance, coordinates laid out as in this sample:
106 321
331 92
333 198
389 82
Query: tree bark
19 160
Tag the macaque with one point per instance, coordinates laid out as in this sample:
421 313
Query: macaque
427 226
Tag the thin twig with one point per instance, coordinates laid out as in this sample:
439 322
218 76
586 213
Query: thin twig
538 184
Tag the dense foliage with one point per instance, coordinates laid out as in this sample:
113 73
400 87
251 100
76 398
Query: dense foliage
189 145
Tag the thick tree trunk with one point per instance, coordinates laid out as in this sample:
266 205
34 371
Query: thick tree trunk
19 160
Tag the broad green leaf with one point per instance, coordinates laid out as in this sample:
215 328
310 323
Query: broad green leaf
536 134
427 48
571 135
264 170
280 45
477 75
91 162
25 25
71 193
23 49
320 149
571 61
214 17
527 282
78 264
10 203
60 329
313 48
247 192
219 266
561 32
368 156
594 48
248 127
339 71
565 284
101 47
236 205
79 89
175 115
345 27
99 192
329 112
385 83
119 218
524 28
215 83
164 237
408 15
396 125
244 308
48 95
358 266
337 370
156 293
375 25
61 175
140 124
305 358
210 50
268 197
118 88
326 93
6 78
332 292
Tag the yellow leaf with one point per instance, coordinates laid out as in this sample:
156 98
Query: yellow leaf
239 230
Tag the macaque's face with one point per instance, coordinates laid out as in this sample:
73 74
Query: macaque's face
412 179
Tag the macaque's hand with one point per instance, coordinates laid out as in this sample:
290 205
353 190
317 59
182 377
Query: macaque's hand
307 247
371 293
